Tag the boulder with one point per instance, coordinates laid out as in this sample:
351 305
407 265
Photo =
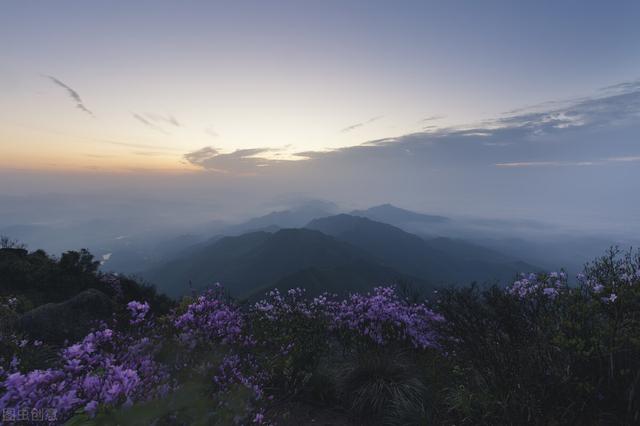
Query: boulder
69 320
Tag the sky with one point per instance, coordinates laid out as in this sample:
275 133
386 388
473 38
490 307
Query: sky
496 108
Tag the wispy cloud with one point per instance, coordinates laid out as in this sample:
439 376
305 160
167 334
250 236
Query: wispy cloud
545 164
148 123
626 159
532 139
149 153
364 123
211 132
99 155
240 161
200 156
73 94
627 86
167 119
432 118
617 104
139 145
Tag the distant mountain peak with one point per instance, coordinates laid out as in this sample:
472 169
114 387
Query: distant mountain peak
292 218
389 213
346 222
386 206
342 223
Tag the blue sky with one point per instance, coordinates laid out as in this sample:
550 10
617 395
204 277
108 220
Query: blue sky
280 91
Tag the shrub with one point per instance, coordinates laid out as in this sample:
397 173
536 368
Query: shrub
382 387
539 351
543 352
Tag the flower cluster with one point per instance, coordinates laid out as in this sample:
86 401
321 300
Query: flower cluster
209 319
549 285
11 302
264 345
102 369
107 368
380 317
138 311
383 317
618 282
276 307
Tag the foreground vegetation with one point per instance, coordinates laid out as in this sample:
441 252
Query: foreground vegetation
537 352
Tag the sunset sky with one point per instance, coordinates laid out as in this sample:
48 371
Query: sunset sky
161 79
436 105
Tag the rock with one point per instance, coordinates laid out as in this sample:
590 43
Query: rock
69 320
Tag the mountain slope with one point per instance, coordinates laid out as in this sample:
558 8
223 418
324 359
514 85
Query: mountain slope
393 215
438 260
260 260
545 245
356 276
295 217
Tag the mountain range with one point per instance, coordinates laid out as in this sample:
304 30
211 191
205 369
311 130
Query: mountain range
338 253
